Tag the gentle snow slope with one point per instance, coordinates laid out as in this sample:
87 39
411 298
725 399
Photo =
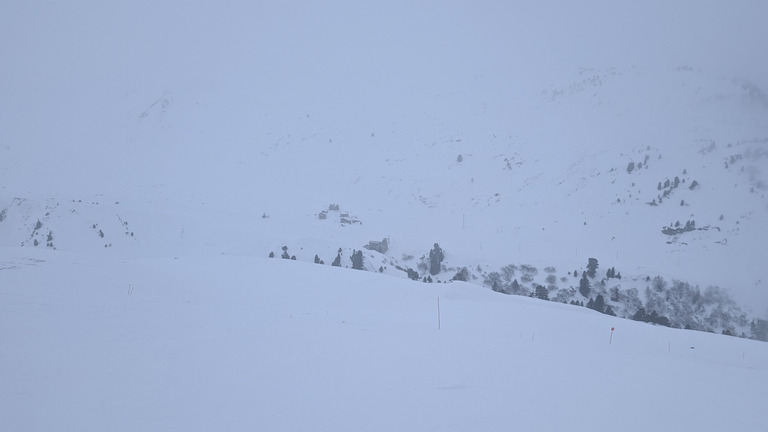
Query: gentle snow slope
241 343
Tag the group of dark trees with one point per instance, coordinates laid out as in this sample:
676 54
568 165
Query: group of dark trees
38 226
653 317
676 228
668 186
284 255
357 258
611 273
436 257
678 304
681 305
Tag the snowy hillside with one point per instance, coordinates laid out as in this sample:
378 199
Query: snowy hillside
612 155
448 124
243 343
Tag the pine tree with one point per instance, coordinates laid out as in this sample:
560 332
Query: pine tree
640 315
584 287
599 303
493 279
357 259
413 274
592 267
514 288
436 256
759 330
461 275
541 292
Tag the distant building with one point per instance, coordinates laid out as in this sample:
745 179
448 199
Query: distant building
378 246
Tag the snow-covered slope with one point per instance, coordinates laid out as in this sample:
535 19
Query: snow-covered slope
539 135
244 343
504 133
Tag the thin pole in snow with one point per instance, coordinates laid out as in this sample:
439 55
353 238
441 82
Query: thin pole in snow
438 313
611 338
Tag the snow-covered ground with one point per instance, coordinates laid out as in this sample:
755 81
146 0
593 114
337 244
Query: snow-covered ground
242 343
152 156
